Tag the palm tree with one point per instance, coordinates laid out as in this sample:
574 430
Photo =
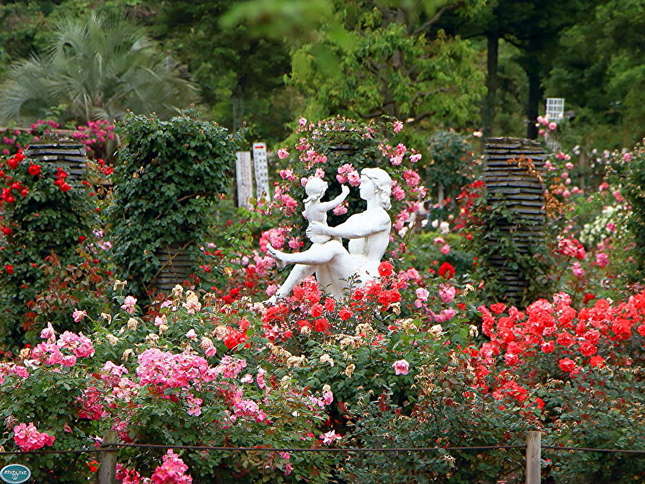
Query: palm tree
96 68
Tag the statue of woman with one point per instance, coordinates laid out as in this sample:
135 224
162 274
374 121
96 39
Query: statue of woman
336 268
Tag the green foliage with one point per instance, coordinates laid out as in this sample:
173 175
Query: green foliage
241 77
451 162
599 71
611 428
386 70
168 176
447 414
94 68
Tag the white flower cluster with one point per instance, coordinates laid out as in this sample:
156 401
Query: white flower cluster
611 222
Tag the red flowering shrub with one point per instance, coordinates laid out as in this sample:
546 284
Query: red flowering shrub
43 216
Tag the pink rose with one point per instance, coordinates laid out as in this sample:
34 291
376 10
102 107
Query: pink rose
447 293
577 270
78 316
401 367
282 153
340 210
602 259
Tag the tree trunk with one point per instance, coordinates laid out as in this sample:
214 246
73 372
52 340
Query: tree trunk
535 96
492 55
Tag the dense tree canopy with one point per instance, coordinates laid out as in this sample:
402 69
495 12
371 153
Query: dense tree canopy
259 64
599 69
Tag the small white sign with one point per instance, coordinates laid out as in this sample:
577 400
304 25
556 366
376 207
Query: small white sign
554 108
244 176
261 171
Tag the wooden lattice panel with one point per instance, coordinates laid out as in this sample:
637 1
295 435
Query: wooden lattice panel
70 157
176 266
509 182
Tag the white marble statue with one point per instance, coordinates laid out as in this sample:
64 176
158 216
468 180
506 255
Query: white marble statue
336 268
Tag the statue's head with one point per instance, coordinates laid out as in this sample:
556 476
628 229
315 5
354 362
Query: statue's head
382 183
315 188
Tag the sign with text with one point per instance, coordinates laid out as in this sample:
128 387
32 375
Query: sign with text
244 176
261 171
15 473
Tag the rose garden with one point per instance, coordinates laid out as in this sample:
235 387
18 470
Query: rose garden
406 305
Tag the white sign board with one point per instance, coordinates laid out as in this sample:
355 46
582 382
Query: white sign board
554 108
261 171
244 176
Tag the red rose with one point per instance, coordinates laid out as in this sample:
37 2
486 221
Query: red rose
565 339
385 269
6 230
498 308
34 170
8 269
321 325
588 297
316 310
587 348
547 347
567 365
596 360
446 270
345 314
330 304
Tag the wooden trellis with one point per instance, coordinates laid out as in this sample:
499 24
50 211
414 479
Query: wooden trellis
512 175
176 266
70 157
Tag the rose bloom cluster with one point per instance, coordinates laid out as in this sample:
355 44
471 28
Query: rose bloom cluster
27 437
14 188
307 310
575 340
172 470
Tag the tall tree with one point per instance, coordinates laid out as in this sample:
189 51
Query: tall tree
241 77
599 69
367 58
95 68
533 26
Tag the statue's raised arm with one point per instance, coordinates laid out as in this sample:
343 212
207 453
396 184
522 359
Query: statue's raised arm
368 232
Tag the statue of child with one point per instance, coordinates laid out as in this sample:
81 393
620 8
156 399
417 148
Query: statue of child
315 210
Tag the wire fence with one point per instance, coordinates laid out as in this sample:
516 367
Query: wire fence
533 449
114 447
